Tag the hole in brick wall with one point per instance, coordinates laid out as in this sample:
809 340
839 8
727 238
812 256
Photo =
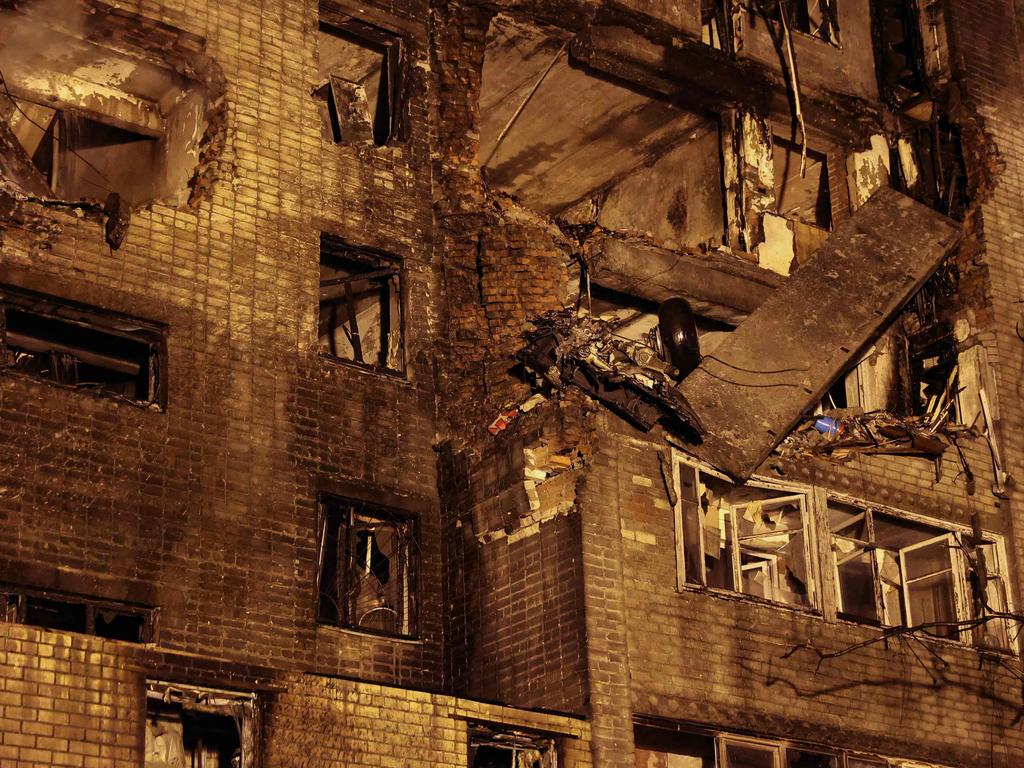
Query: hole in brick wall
497 747
72 613
188 727
360 308
368 561
579 145
359 73
90 119
86 348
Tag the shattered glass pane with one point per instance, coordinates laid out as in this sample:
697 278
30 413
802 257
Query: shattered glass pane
691 521
995 633
772 551
855 580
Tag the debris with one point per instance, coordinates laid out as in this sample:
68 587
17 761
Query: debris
502 421
582 350
841 436
118 217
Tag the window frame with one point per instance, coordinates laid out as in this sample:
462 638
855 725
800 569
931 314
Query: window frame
332 503
958 538
479 733
788 492
394 57
333 246
22 595
101 321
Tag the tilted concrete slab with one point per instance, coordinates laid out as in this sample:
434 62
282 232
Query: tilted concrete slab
780 361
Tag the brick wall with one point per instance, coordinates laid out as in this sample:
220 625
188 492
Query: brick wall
208 510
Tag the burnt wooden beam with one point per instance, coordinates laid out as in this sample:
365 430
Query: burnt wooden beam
718 286
780 361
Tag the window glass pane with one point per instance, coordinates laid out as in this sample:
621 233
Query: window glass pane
847 521
718 544
864 762
856 580
896 533
890 578
378 588
692 517
929 574
749 756
995 633
798 758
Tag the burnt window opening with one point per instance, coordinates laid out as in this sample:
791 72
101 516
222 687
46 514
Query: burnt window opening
750 539
891 571
86 118
360 307
75 613
360 83
805 198
500 747
368 563
899 50
83 347
715 24
817 18
83 159
188 726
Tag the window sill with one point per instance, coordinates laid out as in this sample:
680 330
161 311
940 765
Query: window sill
740 597
370 634
152 406
922 635
399 377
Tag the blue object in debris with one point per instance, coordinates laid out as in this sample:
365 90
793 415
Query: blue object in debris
827 426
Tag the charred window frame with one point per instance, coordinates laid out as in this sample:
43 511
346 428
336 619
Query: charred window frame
899 50
361 312
189 725
362 98
367 568
83 347
754 540
77 613
493 746
893 570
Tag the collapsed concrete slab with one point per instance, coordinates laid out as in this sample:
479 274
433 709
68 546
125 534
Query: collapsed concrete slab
719 286
785 355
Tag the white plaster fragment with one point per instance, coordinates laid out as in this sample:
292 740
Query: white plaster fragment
779 247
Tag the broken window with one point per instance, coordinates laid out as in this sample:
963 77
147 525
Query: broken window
360 315
747 753
368 560
199 727
90 118
80 346
891 571
750 539
993 598
500 747
73 613
359 90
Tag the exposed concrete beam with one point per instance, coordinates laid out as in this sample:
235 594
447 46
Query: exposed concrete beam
780 361
102 103
718 286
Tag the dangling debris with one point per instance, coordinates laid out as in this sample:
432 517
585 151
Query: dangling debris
578 349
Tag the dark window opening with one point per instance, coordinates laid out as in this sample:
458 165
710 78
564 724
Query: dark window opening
817 18
82 347
359 67
492 747
804 198
360 309
68 613
940 174
198 727
368 561
899 51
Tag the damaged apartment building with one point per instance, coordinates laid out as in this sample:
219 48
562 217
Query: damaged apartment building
511 383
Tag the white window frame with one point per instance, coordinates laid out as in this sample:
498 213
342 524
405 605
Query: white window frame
800 493
954 534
